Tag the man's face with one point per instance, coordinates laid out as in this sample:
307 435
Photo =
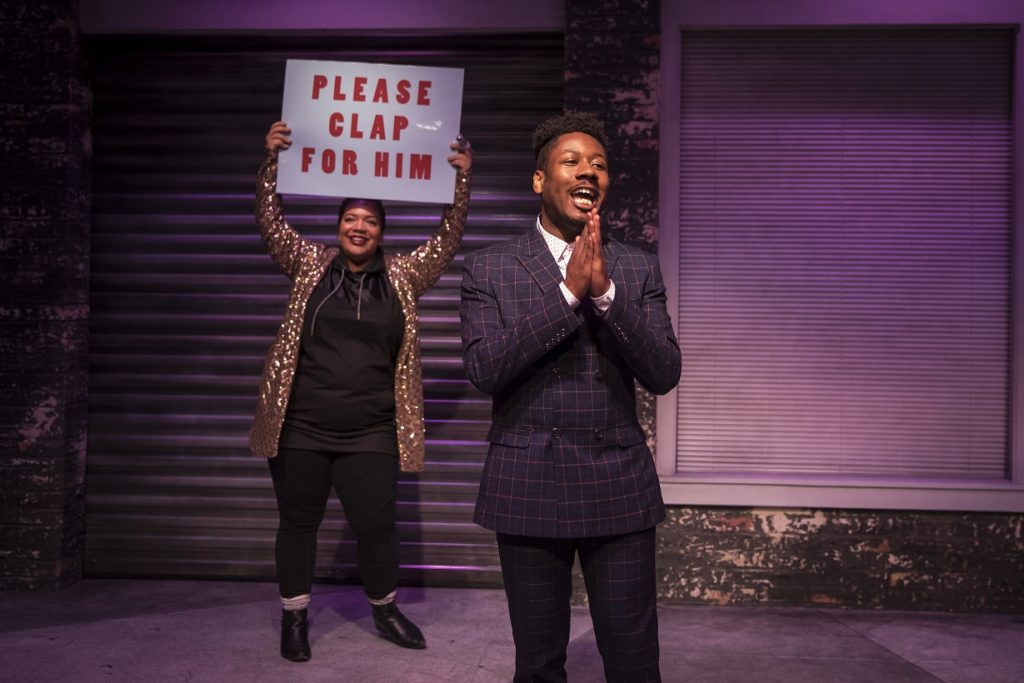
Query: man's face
573 182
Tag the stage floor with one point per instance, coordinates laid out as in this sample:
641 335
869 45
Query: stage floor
226 632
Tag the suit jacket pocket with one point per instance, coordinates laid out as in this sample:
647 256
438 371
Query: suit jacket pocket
629 435
507 435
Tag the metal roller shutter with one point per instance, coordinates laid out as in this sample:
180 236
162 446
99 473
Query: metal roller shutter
184 301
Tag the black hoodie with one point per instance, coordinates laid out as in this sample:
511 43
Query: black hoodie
343 396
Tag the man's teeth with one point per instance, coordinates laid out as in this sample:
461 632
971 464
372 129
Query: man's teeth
583 198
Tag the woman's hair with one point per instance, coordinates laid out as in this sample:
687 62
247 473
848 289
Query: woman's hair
376 204
571 121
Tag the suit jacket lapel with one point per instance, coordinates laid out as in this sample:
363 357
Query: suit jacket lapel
611 258
538 261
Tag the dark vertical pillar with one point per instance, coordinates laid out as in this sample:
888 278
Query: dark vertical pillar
44 300
612 59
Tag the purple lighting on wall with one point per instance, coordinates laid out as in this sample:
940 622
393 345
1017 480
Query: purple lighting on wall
845 262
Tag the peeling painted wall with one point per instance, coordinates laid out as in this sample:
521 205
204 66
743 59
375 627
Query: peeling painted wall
612 52
44 312
848 558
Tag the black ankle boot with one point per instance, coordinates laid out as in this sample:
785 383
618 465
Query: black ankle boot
394 626
295 635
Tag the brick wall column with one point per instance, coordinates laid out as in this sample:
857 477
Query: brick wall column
612 61
44 301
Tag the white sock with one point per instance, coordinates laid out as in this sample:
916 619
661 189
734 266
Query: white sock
386 600
299 602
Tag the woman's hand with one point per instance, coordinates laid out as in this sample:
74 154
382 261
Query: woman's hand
278 137
462 160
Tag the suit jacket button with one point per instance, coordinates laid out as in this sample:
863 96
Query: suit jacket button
556 433
598 375
598 434
557 372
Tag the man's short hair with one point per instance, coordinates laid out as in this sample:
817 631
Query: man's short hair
571 121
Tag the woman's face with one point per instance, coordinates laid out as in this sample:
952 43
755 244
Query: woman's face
359 234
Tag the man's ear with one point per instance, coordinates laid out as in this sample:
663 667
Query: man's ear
538 181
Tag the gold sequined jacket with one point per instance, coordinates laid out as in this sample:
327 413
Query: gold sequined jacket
305 262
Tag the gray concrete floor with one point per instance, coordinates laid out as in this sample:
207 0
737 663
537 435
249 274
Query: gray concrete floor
218 631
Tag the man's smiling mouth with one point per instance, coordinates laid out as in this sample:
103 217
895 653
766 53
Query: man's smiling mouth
585 198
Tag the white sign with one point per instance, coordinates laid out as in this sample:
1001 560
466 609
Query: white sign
379 131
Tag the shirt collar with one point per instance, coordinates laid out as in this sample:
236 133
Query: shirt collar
559 248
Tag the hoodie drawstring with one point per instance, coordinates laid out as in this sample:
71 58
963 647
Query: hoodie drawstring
359 297
312 324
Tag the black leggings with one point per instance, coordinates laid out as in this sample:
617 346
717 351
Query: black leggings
366 485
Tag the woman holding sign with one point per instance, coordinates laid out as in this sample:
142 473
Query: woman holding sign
341 398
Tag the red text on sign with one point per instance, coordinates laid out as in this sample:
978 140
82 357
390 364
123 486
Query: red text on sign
401 91
419 165
329 161
378 129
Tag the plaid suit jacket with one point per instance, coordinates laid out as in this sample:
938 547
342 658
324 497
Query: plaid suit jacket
567 457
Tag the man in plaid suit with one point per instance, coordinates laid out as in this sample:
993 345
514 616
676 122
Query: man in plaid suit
556 326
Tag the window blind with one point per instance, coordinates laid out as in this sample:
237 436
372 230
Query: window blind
845 253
